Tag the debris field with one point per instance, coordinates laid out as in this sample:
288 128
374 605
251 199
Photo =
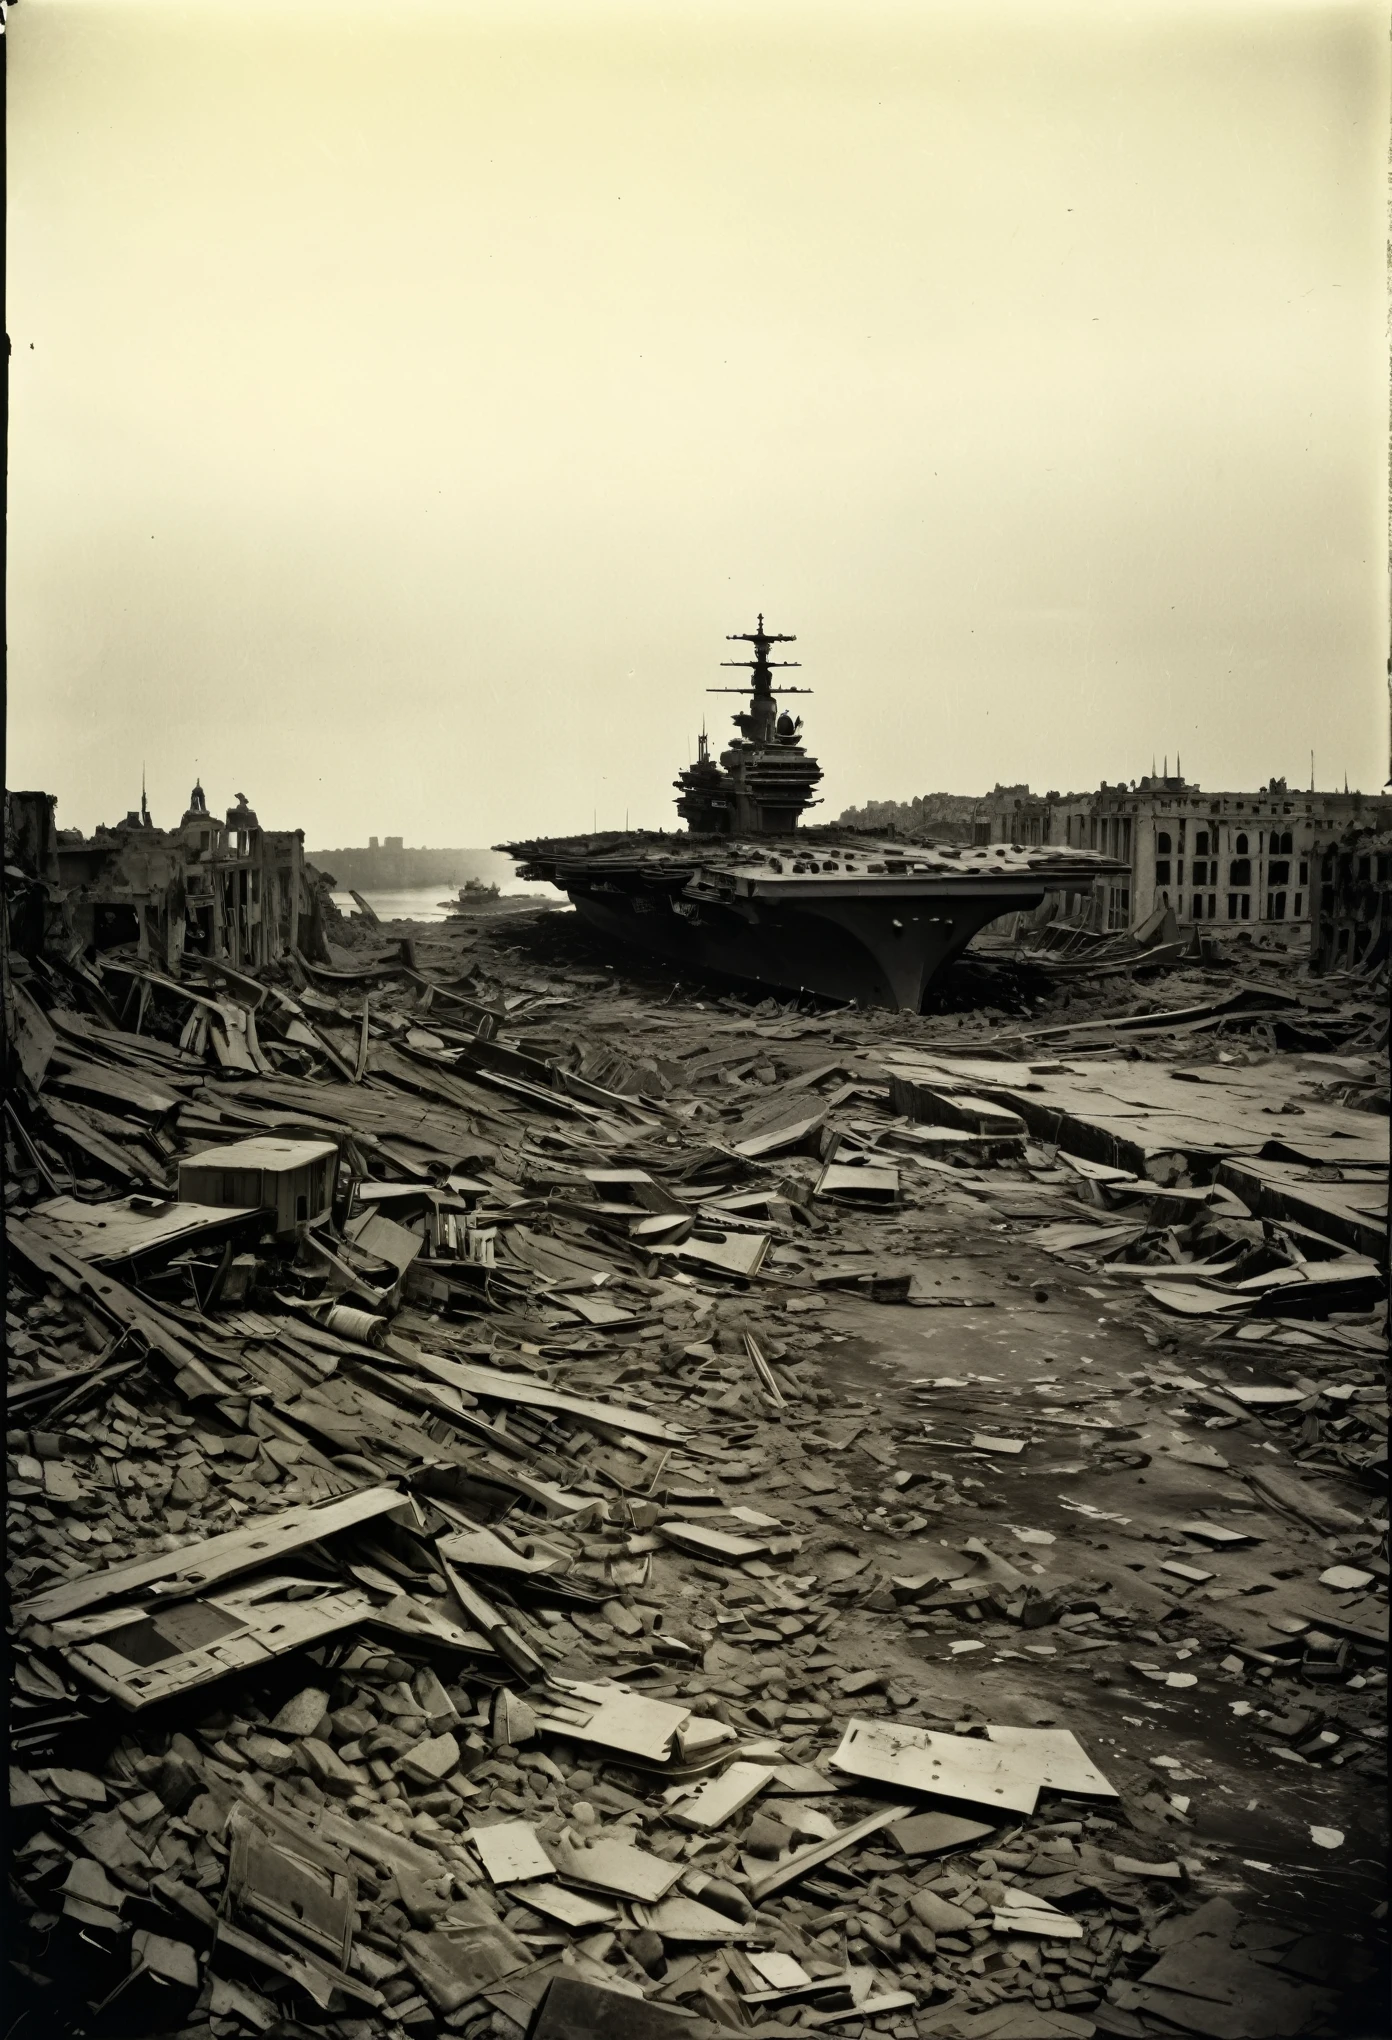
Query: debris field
546 1500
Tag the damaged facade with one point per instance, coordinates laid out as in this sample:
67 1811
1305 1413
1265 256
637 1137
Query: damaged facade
1223 863
1354 919
221 888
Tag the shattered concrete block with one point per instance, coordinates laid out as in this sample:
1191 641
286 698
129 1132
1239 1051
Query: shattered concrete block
429 1761
302 1715
327 1768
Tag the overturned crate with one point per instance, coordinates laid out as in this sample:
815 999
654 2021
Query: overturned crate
292 1178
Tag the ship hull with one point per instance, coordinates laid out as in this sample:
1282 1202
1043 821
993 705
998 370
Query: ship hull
883 951
839 912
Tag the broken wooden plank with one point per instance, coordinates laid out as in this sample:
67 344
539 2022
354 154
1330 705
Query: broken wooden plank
803 1860
496 1386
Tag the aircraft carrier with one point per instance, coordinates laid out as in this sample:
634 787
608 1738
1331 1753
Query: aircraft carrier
748 892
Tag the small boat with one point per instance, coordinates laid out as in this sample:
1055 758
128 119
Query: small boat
475 897
747 892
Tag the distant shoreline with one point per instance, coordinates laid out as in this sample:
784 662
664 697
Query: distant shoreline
395 870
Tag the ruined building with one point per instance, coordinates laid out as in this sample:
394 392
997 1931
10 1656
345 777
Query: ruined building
1353 922
225 889
1226 863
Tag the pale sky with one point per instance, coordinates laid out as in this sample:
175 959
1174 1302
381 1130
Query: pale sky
405 401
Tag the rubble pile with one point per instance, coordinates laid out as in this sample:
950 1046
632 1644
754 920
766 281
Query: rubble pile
540 1503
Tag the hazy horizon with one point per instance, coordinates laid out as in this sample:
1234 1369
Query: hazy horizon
403 407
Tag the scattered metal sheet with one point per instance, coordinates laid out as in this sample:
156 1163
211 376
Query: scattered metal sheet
801 1780
485 1548
638 1726
612 1865
720 1799
707 1543
678 1918
510 1645
701 1740
779 1972
1218 1534
314 1904
376 1234
1256 1396
317 1978
1188 1301
595 1310
493 1385
859 1183
144 1656
576 2009
144 1228
933 1834
1025 1912
453 1967
379 1846
780 1139
730 1253
1061 1762
571 1908
960 1767
868 2008
1346 1579
511 1852
802 1860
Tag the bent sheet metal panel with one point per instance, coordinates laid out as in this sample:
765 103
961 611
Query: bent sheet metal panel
617 1867
202 1565
108 1233
144 1655
283 1873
